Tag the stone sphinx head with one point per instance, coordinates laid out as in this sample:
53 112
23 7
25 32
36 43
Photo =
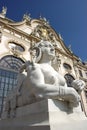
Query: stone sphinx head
44 49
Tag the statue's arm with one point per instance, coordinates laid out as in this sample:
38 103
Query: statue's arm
57 92
44 90
40 88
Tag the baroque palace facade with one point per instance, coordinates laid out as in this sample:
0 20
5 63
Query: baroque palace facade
16 41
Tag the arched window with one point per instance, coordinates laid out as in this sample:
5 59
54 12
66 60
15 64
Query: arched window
11 62
67 66
15 46
69 78
9 67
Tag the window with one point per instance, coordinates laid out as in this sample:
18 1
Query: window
15 46
86 74
11 62
69 78
80 73
10 66
67 66
86 94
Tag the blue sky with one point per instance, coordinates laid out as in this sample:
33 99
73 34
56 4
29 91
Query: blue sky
67 17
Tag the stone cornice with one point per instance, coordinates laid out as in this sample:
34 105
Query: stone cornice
30 37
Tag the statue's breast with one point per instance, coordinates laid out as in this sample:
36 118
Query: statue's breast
49 75
52 77
49 78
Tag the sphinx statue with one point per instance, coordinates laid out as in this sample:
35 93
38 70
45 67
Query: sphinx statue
38 80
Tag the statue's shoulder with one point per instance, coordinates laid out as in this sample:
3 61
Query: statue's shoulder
36 65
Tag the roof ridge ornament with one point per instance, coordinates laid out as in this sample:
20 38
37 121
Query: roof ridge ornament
4 11
60 37
27 17
70 48
44 20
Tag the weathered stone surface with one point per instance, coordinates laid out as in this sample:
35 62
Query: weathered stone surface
47 114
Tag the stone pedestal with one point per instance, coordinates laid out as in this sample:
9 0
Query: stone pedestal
46 115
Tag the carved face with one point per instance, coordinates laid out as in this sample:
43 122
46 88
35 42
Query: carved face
47 48
44 48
